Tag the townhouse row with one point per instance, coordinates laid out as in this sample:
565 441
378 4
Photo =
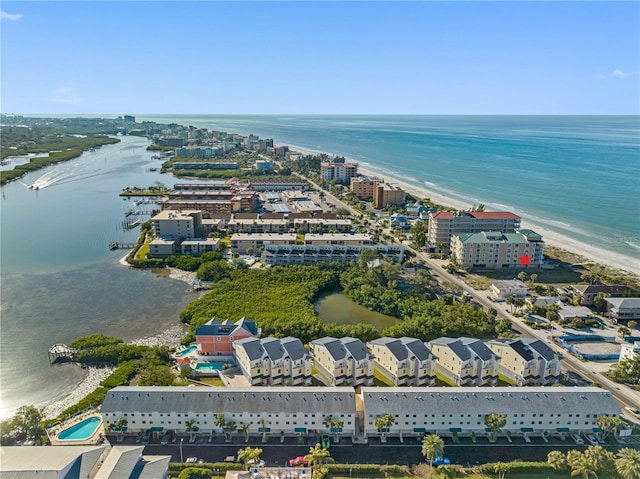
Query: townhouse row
402 361
415 410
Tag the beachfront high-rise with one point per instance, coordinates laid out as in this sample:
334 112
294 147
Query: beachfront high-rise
338 171
445 224
495 250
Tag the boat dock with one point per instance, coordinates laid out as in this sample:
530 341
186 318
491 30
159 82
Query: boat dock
60 353
118 245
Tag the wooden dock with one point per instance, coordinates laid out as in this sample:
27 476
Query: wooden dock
60 353
118 245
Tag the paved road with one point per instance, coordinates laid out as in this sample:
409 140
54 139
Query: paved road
393 452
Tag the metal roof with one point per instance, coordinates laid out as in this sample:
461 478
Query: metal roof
37 462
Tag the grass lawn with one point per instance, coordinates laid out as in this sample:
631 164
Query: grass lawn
217 382
442 380
143 251
380 380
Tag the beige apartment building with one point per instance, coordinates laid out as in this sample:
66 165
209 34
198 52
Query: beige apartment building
526 361
444 225
385 195
338 171
259 225
177 224
362 186
465 361
241 242
404 361
496 250
273 361
343 361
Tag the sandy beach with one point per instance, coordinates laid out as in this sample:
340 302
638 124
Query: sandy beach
552 238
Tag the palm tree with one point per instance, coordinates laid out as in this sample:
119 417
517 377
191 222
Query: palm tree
501 469
265 434
245 431
383 424
191 428
249 455
582 466
432 447
556 460
495 422
628 463
448 471
609 424
120 428
317 457
220 421
632 325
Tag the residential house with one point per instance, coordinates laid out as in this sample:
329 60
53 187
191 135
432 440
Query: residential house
527 361
623 309
588 292
403 361
507 288
465 361
216 338
567 313
343 360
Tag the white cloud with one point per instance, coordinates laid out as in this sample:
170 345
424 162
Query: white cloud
620 74
10 16
66 95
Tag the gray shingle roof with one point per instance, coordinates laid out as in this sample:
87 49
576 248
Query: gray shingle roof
356 348
540 347
504 400
417 348
252 347
334 347
294 348
274 399
273 348
394 346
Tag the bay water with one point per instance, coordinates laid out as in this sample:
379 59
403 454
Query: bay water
59 278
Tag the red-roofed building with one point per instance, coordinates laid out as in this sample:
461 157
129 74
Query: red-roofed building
444 225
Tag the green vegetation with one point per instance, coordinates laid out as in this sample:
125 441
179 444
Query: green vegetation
60 149
626 371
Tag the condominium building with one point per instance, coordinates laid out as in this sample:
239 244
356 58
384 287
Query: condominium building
527 361
161 248
276 184
629 350
416 410
338 171
216 338
343 360
403 361
273 361
197 246
322 225
465 361
385 195
331 239
462 410
292 409
308 254
179 224
445 224
259 225
495 250
242 242
205 165
362 186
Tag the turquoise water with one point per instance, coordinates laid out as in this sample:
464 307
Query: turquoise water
577 175
184 352
80 431
209 366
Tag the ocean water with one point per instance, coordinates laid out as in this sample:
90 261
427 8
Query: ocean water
577 175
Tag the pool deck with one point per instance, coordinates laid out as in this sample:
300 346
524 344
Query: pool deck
95 438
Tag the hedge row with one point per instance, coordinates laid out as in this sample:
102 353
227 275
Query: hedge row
521 467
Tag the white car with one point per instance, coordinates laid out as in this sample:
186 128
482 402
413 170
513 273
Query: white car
577 439
592 440
191 460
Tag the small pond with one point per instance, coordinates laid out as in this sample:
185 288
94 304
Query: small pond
338 308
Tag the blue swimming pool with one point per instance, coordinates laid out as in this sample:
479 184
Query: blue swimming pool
209 366
80 431
184 352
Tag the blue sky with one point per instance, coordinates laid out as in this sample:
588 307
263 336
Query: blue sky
320 58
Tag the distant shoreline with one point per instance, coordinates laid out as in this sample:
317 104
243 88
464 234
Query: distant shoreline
552 238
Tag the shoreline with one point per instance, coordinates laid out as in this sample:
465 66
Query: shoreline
594 254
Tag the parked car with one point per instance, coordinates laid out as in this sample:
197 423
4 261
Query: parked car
191 460
298 461
165 439
439 461
146 438
577 439
633 411
326 443
592 439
